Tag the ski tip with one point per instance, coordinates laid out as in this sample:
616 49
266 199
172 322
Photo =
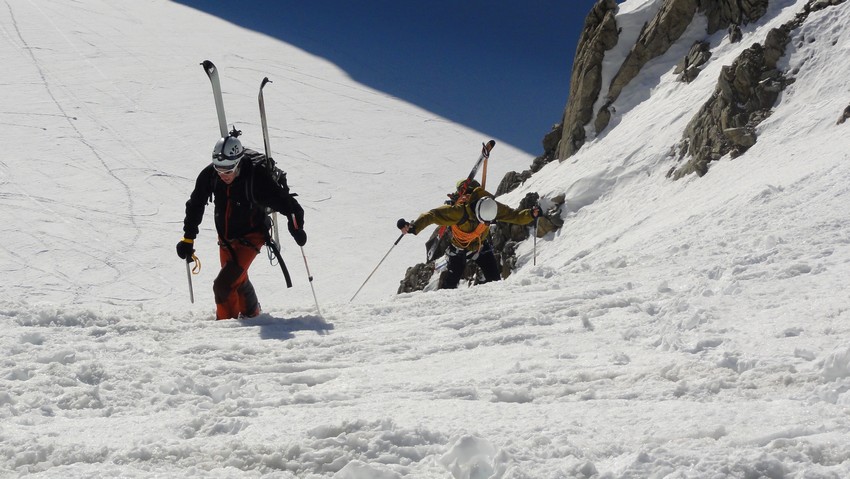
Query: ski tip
486 148
208 66
265 80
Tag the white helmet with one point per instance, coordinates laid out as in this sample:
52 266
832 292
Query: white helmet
227 152
486 209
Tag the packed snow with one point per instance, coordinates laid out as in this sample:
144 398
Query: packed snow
683 329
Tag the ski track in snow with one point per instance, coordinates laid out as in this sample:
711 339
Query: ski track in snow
47 80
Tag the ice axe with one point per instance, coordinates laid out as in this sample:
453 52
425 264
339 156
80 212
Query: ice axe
189 271
189 277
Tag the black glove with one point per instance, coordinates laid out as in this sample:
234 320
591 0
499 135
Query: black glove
295 210
401 223
296 229
300 237
296 223
185 249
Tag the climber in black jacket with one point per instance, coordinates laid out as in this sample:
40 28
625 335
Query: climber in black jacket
240 192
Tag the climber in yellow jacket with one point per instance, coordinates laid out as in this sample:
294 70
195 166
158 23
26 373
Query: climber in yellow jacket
469 218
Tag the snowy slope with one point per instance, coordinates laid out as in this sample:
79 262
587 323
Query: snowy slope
694 329
118 102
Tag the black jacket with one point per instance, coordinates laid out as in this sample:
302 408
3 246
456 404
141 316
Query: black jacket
239 206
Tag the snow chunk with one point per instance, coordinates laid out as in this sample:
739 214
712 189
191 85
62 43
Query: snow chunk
511 395
837 364
474 458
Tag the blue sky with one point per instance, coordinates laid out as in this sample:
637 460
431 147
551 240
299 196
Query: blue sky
498 67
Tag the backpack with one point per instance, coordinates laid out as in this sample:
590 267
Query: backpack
262 162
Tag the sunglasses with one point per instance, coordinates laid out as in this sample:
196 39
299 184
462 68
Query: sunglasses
227 170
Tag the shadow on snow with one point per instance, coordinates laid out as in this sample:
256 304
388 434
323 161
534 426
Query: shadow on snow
282 328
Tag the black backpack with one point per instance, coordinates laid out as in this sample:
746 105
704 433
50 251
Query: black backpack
264 163
261 162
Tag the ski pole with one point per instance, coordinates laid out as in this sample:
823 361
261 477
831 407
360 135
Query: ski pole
307 267
189 277
310 277
376 267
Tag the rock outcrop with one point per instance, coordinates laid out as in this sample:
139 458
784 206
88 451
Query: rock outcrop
689 67
656 37
744 97
745 94
844 116
600 34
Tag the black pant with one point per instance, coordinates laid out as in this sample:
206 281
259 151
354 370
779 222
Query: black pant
457 264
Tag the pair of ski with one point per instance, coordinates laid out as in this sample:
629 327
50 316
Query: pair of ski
212 72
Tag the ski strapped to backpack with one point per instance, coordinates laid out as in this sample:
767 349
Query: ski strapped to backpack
275 172
486 148
272 235
261 161
212 73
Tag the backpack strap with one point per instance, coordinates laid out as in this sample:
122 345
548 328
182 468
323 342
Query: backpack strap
271 245
213 183
249 183
465 217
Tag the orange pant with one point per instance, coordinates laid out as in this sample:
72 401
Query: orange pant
234 293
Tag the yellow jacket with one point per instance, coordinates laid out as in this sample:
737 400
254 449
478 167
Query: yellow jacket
467 232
